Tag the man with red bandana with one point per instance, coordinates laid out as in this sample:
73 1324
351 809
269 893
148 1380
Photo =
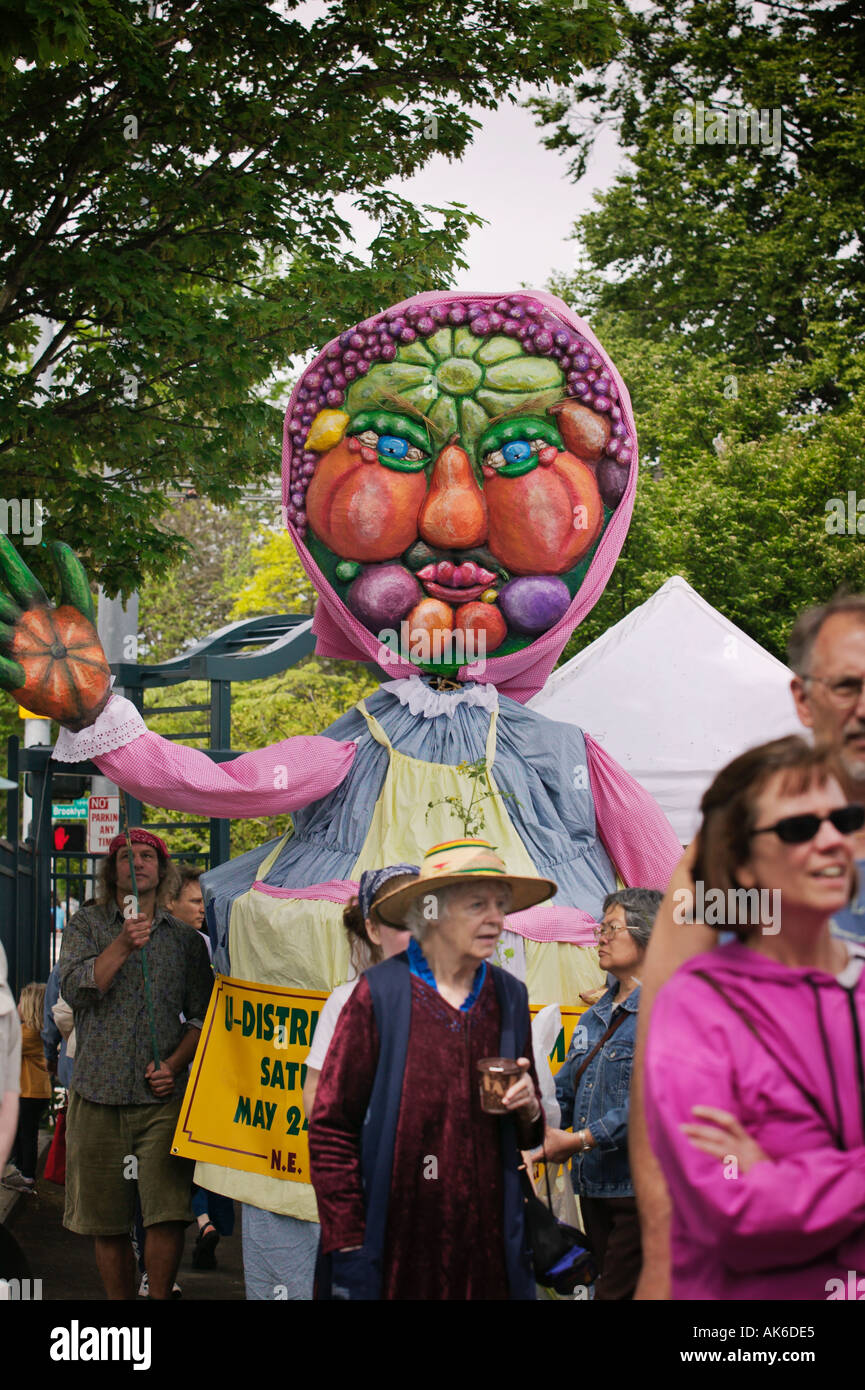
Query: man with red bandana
124 1103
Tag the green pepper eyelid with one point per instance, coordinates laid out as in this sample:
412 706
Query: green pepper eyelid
524 427
516 470
384 422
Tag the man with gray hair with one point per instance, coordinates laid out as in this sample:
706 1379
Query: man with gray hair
827 653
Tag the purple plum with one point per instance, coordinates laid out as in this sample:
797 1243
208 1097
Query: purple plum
532 605
382 595
612 480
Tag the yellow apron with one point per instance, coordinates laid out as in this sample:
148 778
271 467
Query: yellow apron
301 941
401 830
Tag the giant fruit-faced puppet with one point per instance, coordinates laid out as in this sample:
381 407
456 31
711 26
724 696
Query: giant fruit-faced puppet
458 478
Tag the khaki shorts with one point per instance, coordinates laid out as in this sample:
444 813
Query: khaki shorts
114 1151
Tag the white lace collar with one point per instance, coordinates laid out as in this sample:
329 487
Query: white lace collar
422 699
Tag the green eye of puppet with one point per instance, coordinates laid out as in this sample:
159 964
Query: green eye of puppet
402 444
512 447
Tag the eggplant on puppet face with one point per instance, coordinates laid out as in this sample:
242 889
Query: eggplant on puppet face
450 468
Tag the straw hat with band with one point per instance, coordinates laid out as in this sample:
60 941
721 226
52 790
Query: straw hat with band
462 861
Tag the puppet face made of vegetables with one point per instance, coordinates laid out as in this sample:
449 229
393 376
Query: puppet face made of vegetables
451 469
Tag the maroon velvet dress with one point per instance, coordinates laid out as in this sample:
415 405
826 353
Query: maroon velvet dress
444 1235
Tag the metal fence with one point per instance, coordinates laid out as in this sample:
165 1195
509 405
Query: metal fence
41 888
17 894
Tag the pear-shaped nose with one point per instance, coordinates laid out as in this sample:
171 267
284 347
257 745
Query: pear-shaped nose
454 513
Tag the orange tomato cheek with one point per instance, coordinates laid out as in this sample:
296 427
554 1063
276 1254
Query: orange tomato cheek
544 521
363 511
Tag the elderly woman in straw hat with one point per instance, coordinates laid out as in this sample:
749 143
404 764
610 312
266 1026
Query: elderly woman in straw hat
417 1185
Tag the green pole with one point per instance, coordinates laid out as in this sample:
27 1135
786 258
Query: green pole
142 954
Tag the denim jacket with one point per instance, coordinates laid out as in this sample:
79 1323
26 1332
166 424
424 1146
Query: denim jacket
849 923
602 1099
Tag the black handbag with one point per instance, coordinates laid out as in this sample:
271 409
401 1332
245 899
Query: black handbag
562 1257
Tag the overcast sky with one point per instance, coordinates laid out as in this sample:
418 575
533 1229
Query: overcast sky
507 177
521 189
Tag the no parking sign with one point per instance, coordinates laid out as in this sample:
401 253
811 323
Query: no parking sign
103 823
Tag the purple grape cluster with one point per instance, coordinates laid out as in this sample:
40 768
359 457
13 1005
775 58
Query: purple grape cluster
530 323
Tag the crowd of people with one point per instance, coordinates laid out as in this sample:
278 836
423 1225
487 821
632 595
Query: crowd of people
710 1109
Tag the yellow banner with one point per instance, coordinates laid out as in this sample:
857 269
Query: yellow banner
570 1019
243 1107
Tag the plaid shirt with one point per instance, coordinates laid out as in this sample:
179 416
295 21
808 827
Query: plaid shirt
112 1032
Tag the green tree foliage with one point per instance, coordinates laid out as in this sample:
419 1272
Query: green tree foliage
726 279
745 249
46 31
277 581
174 180
196 596
735 487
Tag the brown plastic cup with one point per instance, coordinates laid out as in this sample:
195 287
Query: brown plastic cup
498 1075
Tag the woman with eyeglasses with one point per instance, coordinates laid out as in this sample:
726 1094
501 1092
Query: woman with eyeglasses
593 1088
755 1062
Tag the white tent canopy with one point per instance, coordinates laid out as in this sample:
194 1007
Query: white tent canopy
673 692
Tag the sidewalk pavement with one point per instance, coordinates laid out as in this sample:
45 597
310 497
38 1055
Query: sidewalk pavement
65 1262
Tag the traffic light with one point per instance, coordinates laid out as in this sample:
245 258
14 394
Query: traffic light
68 786
65 786
70 837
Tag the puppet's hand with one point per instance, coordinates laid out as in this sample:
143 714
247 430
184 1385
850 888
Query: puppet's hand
53 662
591 996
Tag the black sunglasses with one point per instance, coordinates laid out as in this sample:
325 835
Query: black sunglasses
797 830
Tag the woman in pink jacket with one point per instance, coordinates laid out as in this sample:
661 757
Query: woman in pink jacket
755 1068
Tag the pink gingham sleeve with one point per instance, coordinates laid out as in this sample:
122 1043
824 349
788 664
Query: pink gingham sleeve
282 777
547 923
636 834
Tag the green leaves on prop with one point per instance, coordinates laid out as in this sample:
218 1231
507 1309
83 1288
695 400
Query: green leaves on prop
470 815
